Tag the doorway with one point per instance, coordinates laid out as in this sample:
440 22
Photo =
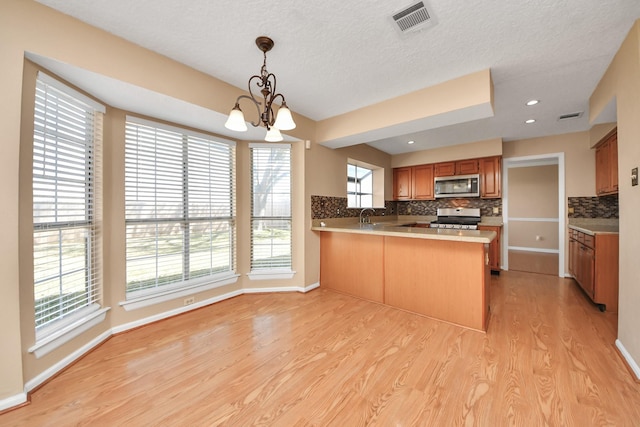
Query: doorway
534 212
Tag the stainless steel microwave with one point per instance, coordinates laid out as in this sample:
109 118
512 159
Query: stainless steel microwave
457 186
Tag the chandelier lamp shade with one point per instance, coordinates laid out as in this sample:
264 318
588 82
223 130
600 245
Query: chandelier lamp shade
265 84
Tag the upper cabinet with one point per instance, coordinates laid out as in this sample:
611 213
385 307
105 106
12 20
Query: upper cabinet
416 182
491 177
413 183
467 167
445 169
402 183
422 182
461 167
607 165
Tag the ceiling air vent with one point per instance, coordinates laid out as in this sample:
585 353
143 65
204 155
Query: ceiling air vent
413 18
571 116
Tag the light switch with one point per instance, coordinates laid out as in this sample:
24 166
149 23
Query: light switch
634 176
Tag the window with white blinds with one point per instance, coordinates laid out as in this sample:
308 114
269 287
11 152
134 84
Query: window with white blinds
179 207
67 171
270 206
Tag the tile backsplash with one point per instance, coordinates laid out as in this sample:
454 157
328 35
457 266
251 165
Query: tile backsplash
594 207
430 207
336 207
323 207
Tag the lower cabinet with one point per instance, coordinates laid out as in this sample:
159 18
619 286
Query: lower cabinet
494 246
444 279
593 262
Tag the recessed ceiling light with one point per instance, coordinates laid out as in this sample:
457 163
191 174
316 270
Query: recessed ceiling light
530 121
410 142
532 102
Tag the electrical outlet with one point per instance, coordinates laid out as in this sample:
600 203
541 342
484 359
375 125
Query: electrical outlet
189 301
496 210
571 210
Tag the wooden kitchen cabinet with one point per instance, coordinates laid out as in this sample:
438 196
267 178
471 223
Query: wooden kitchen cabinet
402 183
607 164
593 263
491 177
413 183
467 167
445 169
416 182
494 246
422 182
460 167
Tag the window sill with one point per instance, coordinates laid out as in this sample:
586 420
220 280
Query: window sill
271 274
54 340
168 295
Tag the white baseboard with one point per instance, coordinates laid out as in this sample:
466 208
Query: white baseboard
53 370
304 289
175 311
311 287
627 357
13 401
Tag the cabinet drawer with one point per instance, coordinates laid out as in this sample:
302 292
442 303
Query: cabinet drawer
588 240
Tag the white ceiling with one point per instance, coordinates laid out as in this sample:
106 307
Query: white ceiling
336 56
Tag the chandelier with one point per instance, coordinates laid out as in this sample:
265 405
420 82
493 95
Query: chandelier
265 82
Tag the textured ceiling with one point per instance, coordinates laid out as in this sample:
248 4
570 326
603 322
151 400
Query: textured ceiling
336 56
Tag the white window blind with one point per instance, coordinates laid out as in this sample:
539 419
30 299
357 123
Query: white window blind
270 206
359 186
179 207
67 143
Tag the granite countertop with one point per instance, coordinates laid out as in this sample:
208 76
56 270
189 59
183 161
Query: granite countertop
396 229
593 226
593 229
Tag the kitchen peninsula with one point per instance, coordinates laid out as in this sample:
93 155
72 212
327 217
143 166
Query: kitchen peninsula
439 273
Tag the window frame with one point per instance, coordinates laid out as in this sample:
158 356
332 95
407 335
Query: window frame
358 184
66 163
277 270
188 140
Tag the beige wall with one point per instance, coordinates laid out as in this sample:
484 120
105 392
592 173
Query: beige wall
580 160
525 234
533 193
486 148
622 81
26 26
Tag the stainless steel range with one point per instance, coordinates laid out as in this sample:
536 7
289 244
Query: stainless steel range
457 218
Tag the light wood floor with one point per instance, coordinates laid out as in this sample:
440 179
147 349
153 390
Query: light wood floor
533 262
326 359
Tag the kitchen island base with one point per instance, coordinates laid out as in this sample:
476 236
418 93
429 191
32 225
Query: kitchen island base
444 279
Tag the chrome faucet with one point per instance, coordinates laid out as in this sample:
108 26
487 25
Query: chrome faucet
367 219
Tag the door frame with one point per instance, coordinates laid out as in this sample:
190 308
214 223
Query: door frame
536 160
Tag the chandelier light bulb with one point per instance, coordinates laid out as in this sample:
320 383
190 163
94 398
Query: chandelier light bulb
273 135
284 121
236 120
